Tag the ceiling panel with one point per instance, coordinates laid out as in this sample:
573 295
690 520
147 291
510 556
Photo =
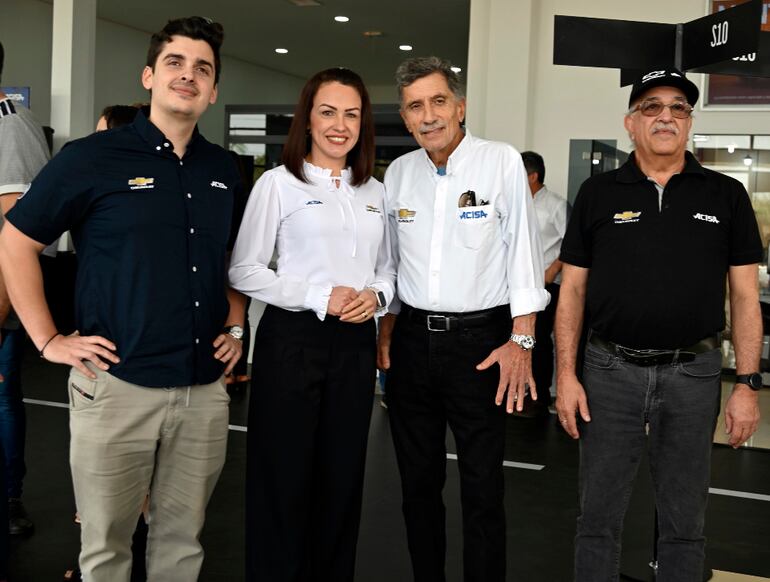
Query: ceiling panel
253 29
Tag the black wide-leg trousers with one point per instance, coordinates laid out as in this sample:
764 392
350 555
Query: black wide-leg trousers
432 383
309 412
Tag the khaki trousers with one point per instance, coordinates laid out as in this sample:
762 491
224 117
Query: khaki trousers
128 440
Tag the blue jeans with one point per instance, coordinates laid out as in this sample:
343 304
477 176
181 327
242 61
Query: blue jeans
671 407
13 419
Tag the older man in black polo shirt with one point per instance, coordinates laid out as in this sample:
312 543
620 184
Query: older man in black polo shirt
646 254
149 206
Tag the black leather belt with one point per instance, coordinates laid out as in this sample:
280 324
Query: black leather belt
455 321
656 357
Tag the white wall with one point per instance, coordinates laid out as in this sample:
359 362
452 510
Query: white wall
564 103
25 30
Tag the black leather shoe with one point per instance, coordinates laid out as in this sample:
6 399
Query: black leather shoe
19 523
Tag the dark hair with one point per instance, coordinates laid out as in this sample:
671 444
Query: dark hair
2 59
119 115
194 27
533 162
361 157
418 67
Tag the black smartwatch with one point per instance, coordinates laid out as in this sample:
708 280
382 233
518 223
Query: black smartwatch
380 297
753 381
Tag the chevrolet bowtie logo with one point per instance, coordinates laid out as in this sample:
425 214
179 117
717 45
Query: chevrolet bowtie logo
627 215
141 181
406 213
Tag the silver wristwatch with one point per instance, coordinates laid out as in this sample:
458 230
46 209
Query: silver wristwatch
525 342
234 330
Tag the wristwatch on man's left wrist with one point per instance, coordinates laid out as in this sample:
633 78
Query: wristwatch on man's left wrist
525 342
236 331
753 381
380 296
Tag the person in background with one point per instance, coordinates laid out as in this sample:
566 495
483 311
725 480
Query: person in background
116 116
23 153
314 358
551 210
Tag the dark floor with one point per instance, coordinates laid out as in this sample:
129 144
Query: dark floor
541 505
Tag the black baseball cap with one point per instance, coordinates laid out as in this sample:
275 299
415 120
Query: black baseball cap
665 78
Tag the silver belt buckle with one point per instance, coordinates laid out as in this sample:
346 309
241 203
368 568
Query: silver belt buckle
438 318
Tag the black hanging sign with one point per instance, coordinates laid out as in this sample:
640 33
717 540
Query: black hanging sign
710 44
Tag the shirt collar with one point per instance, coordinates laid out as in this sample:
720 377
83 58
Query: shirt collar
320 172
630 171
155 138
455 158
542 190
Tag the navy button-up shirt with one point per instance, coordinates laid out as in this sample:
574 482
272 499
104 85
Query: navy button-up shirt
151 233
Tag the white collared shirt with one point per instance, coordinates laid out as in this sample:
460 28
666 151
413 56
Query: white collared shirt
458 259
324 235
551 210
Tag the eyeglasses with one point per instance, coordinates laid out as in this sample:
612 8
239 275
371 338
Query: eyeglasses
678 109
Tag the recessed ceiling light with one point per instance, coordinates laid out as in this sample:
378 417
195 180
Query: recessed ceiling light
341 18
281 51
405 47
456 69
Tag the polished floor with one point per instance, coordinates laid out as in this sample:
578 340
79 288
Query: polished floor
541 502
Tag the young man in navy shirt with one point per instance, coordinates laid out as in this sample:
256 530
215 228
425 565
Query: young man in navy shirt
149 208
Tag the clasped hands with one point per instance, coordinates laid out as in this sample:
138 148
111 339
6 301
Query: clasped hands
352 306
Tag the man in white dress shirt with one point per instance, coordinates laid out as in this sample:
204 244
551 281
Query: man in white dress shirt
469 261
551 210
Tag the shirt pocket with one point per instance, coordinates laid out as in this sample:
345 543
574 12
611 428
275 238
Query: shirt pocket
475 225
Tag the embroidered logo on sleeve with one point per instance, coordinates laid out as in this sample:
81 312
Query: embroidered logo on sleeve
405 215
139 183
216 184
706 218
626 217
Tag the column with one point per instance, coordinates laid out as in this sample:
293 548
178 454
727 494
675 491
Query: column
72 69
499 70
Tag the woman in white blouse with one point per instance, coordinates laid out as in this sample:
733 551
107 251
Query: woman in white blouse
314 358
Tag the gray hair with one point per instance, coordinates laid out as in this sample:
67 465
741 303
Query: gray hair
418 67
